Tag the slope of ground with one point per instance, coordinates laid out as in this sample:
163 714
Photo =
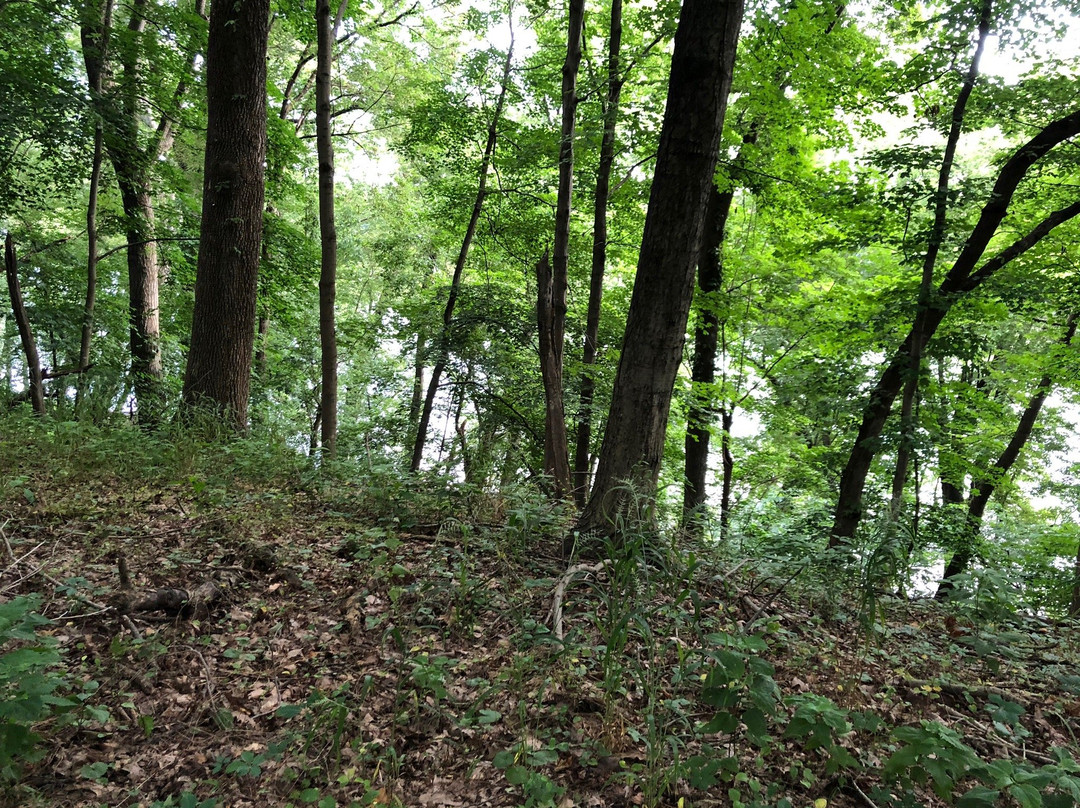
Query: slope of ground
371 641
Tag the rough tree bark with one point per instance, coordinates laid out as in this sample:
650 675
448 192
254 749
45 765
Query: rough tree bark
459 267
961 279
933 248
551 302
583 442
223 325
18 310
632 450
983 488
327 227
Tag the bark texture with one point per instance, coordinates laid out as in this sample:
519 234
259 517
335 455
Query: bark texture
701 69
327 228
223 325
550 321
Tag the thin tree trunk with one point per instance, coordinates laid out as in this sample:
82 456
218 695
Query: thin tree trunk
983 488
551 307
926 284
223 323
703 371
1074 603
95 80
18 310
327 228
961 279
582 447
633 446
549 317
459 266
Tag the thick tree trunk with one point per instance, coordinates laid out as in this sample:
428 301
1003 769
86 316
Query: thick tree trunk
327 228
18 310
961 279
582 448
550 316
983 488
223 324
926 284
633 446
551 308
703 370
459 267
143 297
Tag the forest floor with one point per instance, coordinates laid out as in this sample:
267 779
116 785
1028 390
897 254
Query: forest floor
387 643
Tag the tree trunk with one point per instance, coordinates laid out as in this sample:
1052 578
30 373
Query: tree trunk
120 108
459 267
633 446
926 284
95 80
703 371
550 316
551 308
18 310
961 279
223 324
327 228
983 488
582 447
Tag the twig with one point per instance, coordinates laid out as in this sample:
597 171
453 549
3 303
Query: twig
209 676
865 798
721 578
560 592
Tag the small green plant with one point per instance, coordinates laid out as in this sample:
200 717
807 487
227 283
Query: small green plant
29 683
537 788
931 754
822 725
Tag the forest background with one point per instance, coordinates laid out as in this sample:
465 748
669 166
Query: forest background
451 266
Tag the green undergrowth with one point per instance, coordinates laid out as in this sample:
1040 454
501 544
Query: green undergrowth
394 640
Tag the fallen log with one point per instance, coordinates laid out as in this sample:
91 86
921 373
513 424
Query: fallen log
193 605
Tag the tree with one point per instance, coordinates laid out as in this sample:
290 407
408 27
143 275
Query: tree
223 323
933 248
987 481
552 283
327 228
963 277
119 102
33 363
701 70
582 446
459 265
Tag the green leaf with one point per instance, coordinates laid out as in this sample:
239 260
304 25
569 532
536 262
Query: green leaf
979 797
504 759
1027 796
517 775
288 711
